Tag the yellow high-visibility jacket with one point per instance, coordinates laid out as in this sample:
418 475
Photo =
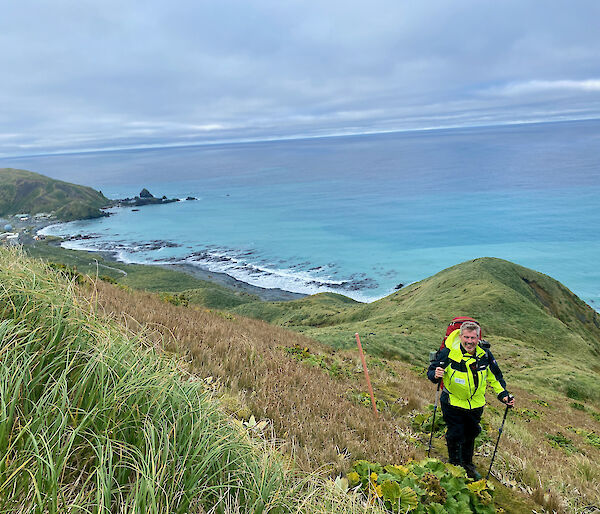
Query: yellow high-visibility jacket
466 376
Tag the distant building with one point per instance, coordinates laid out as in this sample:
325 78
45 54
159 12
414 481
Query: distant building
10 237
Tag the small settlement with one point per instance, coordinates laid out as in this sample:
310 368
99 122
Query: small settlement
17 226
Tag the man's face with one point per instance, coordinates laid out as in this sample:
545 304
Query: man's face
469 340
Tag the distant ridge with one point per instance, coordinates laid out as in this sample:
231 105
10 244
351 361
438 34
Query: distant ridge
24 191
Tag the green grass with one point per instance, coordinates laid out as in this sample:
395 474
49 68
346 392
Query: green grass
93 421
23 191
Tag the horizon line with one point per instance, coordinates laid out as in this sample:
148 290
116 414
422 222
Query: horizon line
297 137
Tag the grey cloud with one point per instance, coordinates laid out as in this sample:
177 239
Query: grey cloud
93 74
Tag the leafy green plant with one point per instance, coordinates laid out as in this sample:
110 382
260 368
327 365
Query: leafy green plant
527 414
541 402
175 298
562 442
425 487
422 421
590 436
577 406
593 439
363 398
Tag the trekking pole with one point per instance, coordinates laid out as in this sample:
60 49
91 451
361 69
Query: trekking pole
498 440
437 395
364 363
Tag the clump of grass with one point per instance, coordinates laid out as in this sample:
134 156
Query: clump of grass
549 499
92 423
576 390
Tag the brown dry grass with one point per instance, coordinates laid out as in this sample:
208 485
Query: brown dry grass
311 412
313 416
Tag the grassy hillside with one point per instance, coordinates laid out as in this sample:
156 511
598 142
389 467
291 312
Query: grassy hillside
95 420
542 333
535 324
312 397
27 192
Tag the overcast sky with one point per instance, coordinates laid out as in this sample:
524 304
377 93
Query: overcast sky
87 74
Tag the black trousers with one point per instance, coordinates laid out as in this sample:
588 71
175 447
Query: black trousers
463 424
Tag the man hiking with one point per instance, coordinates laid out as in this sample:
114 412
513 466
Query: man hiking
466 369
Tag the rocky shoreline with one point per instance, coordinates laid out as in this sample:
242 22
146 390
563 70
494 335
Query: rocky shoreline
28 229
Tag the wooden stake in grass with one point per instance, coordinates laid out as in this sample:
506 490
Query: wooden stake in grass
364 363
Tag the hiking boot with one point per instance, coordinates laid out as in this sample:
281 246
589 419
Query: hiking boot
468 448
454 452
472 471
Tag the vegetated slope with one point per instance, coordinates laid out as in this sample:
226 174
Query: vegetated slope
311 397
314 401
535 324
24 191
93 420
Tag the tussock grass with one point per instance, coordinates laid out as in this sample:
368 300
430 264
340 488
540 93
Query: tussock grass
92 420
310 411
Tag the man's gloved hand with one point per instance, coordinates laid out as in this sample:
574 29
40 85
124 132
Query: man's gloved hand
509 400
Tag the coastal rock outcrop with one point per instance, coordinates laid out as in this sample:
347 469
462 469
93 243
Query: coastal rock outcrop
145 198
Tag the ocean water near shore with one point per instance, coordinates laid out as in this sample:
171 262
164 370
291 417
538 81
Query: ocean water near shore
357 215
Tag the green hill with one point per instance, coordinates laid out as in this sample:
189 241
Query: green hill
23 191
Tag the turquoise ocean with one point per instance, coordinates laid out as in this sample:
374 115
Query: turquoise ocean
357 215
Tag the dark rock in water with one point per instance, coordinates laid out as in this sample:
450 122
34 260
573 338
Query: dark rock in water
190 198
139 201
135 210
399 286
146 194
